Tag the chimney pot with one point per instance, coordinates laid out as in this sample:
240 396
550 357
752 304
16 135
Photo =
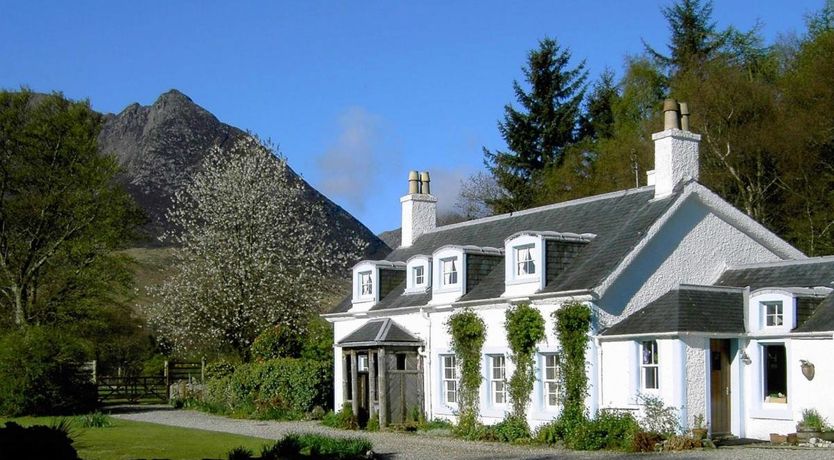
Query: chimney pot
684 116
671 114
413 183
425 183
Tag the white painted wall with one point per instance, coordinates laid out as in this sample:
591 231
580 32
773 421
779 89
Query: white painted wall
764 418
693 247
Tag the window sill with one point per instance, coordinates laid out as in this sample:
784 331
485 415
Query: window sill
523 280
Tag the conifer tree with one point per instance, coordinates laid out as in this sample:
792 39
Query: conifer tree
538 133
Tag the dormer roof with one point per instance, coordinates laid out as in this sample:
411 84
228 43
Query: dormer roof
809 273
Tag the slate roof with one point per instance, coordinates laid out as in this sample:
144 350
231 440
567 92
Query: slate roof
687 309
812 272
619 220
822 320
379 332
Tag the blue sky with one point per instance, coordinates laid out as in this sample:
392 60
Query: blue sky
355 93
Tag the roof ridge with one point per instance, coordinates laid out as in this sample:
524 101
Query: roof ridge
778 263
548 207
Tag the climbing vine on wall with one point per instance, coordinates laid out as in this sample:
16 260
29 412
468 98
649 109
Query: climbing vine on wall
573 323
468 333
525 328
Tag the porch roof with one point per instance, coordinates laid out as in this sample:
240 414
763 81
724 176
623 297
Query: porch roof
687 309
822 320
379 332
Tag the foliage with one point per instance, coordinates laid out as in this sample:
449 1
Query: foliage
645 441
62 212
608 430
94 420
40 373
812 420
219 369
37 441
694 39
250 253
318 446
373 424
680 442
239 453
276 342
538 134
525 329
657 417
344 419
284 388
513 429
573 323
698 422
468 333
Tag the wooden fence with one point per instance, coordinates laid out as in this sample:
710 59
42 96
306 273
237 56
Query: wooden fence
142 388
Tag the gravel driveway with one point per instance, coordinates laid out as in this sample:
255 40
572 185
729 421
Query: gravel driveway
408 446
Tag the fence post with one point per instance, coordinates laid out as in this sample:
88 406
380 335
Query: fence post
167 380
203 370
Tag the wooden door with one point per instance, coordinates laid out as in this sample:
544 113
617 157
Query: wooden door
720 386
364 399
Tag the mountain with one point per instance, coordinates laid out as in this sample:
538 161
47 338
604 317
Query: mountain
161 145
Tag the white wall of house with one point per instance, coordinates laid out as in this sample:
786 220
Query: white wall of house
693 247
762 417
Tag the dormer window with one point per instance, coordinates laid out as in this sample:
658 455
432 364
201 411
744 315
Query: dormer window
366 284
449 271
774 313
524 263
419 275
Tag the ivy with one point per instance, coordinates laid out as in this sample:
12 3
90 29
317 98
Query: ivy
468 333
573 322
525 328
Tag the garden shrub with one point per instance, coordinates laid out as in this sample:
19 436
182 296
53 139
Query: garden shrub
608 430
657 418
525 329
645 441
276 342
573 322
512 429
283 388
239 453
94 420
317 446
219 369
37 441
41 374
468 333
678 443
344 419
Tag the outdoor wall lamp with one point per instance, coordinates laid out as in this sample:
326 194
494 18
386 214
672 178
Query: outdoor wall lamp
745 358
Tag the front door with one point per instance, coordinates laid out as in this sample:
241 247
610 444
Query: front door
720 386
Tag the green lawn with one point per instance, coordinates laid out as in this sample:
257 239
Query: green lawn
132 440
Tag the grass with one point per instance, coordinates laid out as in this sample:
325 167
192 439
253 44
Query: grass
125 439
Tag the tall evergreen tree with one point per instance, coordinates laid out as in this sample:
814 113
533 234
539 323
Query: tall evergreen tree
694 39
538 134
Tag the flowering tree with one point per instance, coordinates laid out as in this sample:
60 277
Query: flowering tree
250 253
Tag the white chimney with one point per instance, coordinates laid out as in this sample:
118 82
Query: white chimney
419 208
675 150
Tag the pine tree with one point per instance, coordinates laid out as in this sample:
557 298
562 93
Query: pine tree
694 37
538 134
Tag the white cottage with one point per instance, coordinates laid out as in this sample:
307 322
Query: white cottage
693 302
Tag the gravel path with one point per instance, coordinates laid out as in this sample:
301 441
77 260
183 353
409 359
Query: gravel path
408 446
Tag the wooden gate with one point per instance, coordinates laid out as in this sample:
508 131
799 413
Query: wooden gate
143 388
404 386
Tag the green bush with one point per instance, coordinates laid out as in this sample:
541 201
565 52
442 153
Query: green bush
283 388
812 420
644 441
658 418
37 441
41 374
513 429
317 446
468 333
219 369
608 430
94 420
344 419
239 453
276 342
525 328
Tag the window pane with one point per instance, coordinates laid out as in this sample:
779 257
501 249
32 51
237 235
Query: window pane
651 377
775 373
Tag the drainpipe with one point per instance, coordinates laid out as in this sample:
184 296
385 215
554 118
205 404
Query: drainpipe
427 368
600 387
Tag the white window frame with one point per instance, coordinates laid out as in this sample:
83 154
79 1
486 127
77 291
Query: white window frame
449 277
525 267
763 371
418 279
550 380
366 283
448 364
498 382
652 365
778 316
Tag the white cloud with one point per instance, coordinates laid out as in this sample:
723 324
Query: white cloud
445 185
350 166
